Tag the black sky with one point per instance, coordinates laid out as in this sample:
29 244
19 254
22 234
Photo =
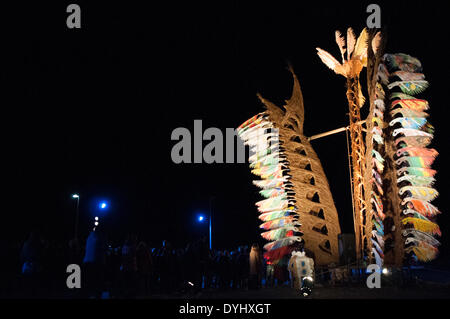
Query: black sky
92 110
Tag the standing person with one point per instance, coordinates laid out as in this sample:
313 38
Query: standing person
188 261
255 267
32 263
300 267
219 269
115 261
269 274
209 269
144 267
243 267
234 269
203 256
129 266
225 265
179 271
94 263
165 266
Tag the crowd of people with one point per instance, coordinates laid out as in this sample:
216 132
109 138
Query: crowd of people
37 268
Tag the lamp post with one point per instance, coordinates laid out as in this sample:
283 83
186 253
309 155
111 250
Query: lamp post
210 222
201 218
77 197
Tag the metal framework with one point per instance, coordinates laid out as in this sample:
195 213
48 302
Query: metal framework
358 163
319 217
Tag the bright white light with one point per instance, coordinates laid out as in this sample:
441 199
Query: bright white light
96 223
385 271
75 196
190 283
96 218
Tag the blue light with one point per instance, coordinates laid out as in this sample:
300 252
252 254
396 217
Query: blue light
201 218
103 205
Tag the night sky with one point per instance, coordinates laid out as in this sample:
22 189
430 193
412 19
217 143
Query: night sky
92 110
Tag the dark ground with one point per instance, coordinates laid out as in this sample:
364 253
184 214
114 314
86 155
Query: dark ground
428 292
426 283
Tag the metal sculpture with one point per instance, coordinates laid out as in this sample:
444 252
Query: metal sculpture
392 179
391 175
408 175
350 69
299 205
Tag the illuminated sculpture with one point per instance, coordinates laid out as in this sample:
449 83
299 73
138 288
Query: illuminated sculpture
392 179
350 69
391 176
408 174
298 205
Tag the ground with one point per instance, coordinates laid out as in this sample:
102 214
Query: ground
424 283
334 293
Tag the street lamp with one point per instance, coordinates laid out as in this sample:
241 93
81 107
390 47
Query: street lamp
210 221
77 197
103 205
201 218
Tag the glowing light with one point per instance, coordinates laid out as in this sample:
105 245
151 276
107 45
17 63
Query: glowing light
96 218
200 218
75 196
385 271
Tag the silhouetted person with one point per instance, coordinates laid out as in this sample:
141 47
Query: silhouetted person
217 268
144 267
243 265
270 274
129 266
255 267
225 265
166 266
234 269
32 263
180 268
94 263
203 258
188 259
